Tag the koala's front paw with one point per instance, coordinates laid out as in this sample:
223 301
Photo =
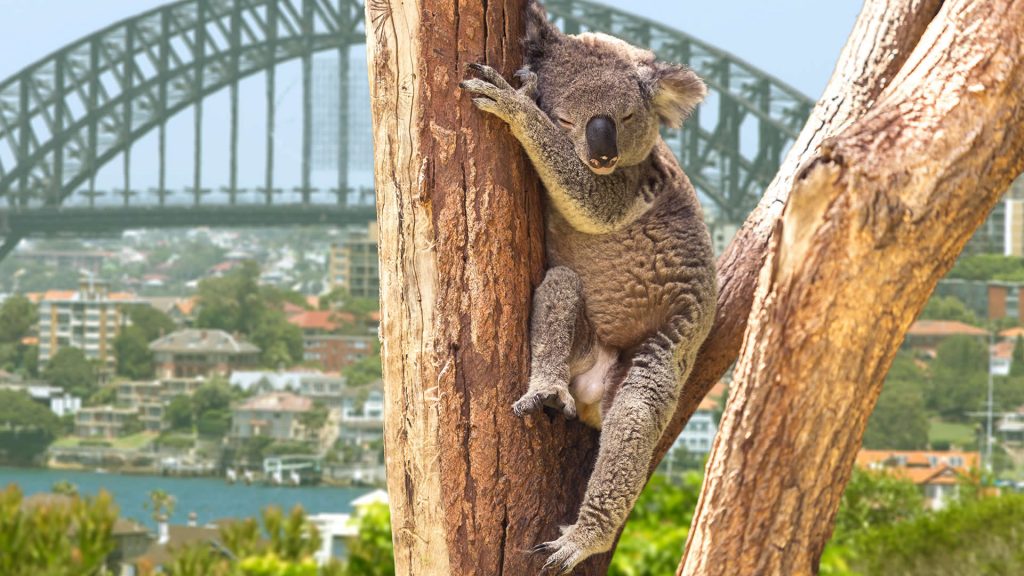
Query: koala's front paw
540 395
568 551
497 96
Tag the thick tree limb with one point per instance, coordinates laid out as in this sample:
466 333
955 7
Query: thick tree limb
873 222
882 38
472 487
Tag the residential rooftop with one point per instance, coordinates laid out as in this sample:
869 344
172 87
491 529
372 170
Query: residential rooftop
277 402
944 328
202 340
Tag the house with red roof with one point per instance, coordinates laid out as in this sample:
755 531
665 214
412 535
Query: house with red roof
937 473
278 416
926 335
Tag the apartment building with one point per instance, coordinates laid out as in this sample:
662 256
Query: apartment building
353 263
88 319
102 421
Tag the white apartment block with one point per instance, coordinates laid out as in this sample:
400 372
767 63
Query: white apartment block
88 319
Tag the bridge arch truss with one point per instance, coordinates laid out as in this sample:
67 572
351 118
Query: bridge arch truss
66 116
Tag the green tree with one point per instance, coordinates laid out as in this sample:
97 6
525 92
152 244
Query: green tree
26 428
975 537
132 425
1017 359
211 404
212 395
988 267
152 323
900 419
236 303
372 552
314 420
160 504
71 370
959 374
30 361
214 423
364 371
657 527
178 413
66 538
254 449
905 368
18 315
102 397
948 308
134 359
875 499
231 303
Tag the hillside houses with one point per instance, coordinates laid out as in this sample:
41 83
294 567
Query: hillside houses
936 473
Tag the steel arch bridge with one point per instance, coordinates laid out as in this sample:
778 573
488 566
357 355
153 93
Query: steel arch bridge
68 115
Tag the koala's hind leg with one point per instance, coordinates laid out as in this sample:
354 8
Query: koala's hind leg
632 425
558 330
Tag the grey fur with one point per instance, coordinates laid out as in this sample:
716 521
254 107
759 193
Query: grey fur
619 318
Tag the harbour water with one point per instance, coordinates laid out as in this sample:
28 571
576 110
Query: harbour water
210 498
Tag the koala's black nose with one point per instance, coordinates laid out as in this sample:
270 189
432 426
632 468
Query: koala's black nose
601 141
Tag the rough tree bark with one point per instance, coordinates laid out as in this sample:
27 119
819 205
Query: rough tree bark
883 37
461 245
873 220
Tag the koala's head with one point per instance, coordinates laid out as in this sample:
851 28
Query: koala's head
608 95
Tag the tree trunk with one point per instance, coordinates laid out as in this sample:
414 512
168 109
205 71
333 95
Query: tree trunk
874 219
461 246
881 41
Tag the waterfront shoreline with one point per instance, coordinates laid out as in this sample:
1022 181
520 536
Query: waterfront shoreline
209 497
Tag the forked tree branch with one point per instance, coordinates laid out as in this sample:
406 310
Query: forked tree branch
882 38
873 221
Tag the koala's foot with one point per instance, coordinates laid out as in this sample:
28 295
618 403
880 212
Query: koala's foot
568 550
542 394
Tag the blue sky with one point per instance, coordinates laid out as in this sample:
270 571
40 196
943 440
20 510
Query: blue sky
796 40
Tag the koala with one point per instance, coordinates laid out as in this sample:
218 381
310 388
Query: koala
630 293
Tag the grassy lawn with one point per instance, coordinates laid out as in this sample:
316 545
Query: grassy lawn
956 434
133 442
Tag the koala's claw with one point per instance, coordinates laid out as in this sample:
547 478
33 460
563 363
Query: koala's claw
490 74
482 87
568 550
534 400
564 556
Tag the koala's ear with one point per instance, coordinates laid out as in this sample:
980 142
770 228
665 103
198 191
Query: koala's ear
675 90
540 33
